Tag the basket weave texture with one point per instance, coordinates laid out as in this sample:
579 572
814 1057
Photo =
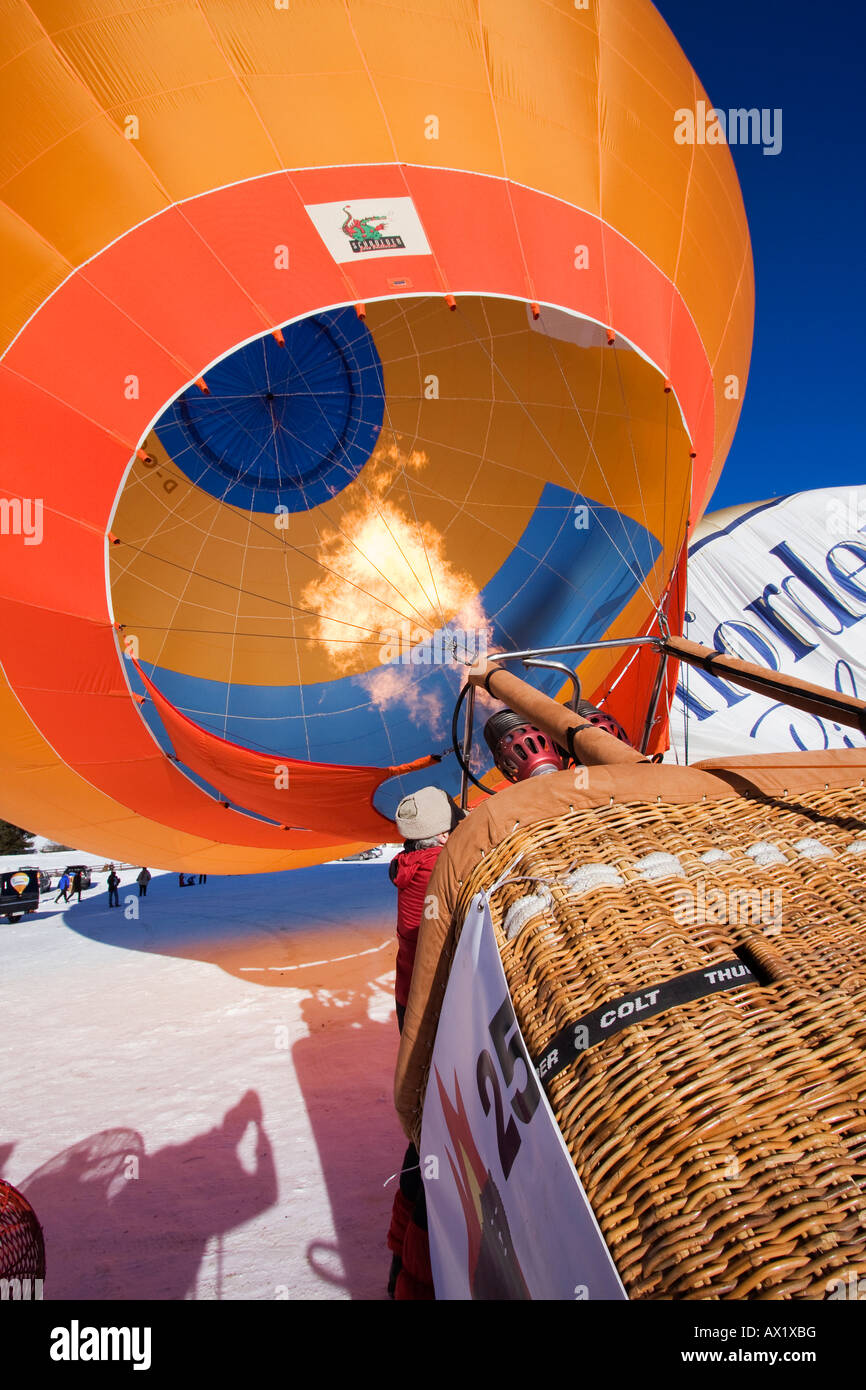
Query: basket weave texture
722 1144
22 1249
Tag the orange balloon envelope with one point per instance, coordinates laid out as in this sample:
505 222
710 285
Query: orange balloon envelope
340 342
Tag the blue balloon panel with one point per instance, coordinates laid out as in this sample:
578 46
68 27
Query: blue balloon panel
282 426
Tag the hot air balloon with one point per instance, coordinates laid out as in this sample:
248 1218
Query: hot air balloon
340 342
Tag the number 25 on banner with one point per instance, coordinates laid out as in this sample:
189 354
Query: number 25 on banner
509 1051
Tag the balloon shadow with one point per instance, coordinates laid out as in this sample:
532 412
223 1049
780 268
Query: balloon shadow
120 1223
327 932
345 1067
261 927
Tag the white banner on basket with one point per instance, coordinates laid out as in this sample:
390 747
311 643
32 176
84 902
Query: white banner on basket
369 228
782 585
507 1215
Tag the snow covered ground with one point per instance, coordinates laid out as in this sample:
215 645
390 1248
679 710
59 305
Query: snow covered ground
197 1086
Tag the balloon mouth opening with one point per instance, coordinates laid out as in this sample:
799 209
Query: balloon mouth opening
327 628
282 425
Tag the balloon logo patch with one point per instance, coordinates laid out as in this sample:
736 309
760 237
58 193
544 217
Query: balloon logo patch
374 227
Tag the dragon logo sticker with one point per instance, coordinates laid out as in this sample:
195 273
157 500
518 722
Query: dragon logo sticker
370 228
365 233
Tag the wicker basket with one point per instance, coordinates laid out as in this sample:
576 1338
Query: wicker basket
722 1143
22 1249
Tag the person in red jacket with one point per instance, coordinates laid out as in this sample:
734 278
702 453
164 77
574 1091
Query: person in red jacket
425 820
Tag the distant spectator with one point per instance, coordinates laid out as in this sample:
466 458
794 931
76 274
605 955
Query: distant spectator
143 880
113 885
76 884
63 888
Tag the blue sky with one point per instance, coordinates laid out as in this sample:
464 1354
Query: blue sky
801 422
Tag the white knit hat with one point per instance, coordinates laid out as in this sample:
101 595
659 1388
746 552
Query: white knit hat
426 813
